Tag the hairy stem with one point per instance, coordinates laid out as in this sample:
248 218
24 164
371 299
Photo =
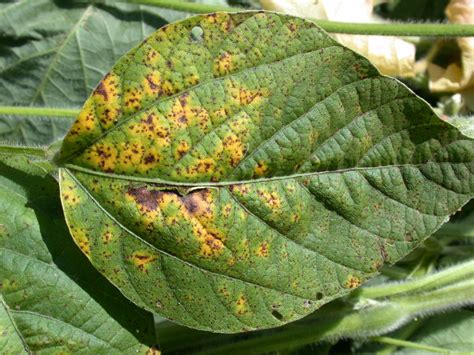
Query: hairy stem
456 273
16 149
408 344
333 321
380 29
38 111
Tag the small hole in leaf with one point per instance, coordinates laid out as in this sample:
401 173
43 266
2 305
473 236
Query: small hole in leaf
277 315
197 34
319 296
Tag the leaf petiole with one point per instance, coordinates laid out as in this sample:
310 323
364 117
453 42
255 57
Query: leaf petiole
408 344
379 29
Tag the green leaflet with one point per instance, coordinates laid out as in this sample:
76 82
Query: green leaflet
451 332
58 63
237 171
49 299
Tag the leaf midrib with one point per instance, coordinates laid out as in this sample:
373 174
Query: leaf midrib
242 182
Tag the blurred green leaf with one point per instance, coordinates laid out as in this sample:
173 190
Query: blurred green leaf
452 331
54 52
49 288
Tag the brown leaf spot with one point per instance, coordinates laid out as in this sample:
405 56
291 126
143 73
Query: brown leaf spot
352 282
148 199
142 260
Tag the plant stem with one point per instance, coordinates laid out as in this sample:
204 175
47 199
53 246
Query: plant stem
13 149
193 7
408 344
38 111
380 29
334 321
403 333
456 273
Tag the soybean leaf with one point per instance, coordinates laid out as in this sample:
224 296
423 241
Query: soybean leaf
56 63
51 299
11 341
452 332
237 171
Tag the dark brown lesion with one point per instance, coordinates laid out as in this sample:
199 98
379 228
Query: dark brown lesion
197 202
146 198
100 90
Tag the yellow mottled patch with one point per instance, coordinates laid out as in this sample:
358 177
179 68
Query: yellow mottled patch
227 24
151 84
262 250
201 166
168 87
149 160
223 64
107 100
242 96
241 305
192 79
86 122
224 291
231 261
181 149
153 351
151 126
211 18
9 285
271 198
142 260
80 236
352 282
152 57
261 168
130 153
219 115
132 99
168 199
181 112
103 156
210 246
227 210
240 123
234 148
107 236
69 193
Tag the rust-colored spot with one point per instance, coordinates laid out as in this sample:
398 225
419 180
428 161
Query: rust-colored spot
241 305
154 350
147 199
262 250
271 198
142 260
352 282
107 236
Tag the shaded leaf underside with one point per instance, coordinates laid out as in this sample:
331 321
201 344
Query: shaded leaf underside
49 295
241 179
